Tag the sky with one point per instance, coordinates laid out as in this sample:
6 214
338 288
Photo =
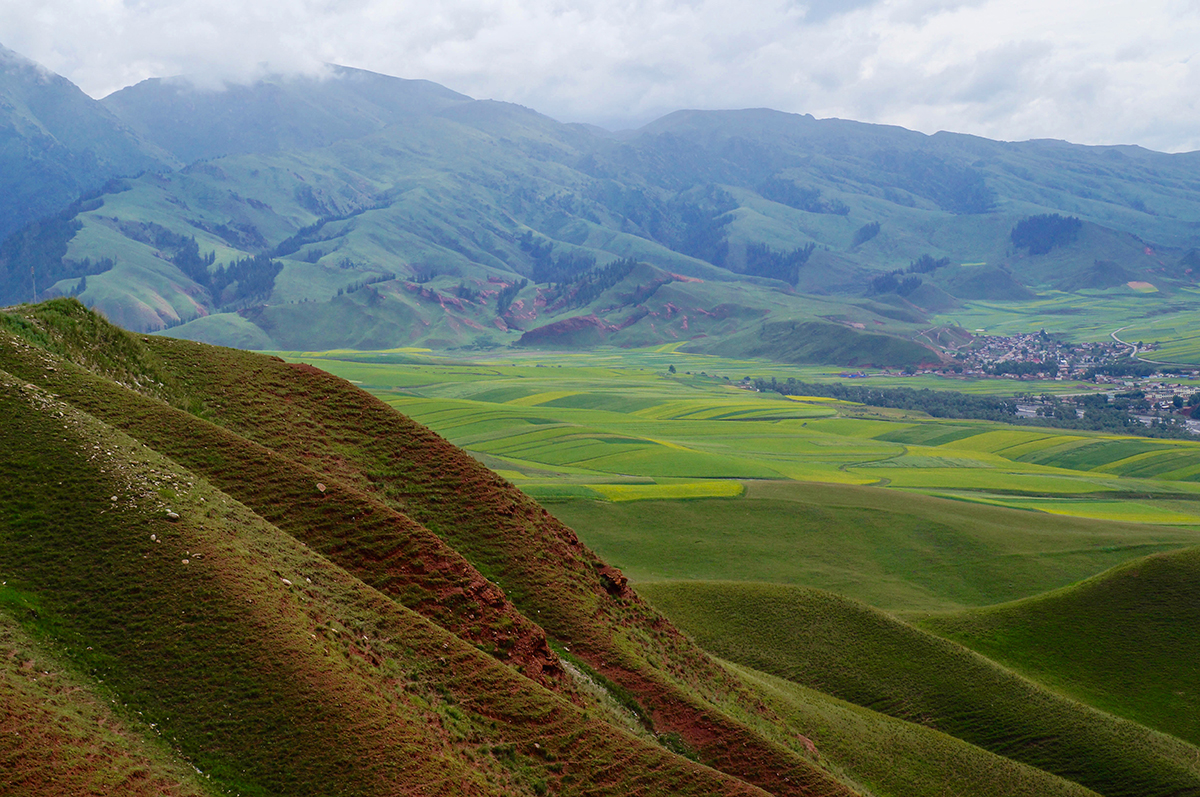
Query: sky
1097 72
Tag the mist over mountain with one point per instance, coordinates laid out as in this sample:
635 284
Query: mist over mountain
273 115
56 142
357 209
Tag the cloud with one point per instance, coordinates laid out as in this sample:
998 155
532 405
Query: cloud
1002 68
824 10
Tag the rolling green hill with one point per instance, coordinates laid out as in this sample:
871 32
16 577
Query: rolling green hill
349 609
862 655
1123 641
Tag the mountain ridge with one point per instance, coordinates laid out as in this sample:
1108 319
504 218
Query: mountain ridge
56 142
308 190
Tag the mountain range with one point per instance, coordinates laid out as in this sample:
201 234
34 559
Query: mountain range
359 210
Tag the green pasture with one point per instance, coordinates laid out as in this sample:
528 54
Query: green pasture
691 477
1091 315
892 549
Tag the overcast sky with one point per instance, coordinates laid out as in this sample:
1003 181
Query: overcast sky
1097 72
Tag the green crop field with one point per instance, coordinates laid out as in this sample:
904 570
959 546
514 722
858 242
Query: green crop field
617 426
688 476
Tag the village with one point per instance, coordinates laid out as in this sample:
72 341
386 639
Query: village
1153 391
1106 373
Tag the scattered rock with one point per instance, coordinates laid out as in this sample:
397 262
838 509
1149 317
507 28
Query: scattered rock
320 487
285 581
113 499
172 515
185 561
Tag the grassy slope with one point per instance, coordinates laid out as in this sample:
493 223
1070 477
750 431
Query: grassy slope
890 756
1124 641
909 551
225 657
481 690
870 658
211 647
56 736
578 599
379 545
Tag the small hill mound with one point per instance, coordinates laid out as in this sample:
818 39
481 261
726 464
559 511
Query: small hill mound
1188 266
818 342
932 298
874 660
895 307
1103 274
570 333
983 282
1126 641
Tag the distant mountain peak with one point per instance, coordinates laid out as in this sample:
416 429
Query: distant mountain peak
8 57
194 119
59 142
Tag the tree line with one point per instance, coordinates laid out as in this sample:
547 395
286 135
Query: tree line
1099 412
903 281
1040 234
241 280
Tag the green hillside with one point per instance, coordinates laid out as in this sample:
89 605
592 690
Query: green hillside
862 655
1124 641
368 211
56 143
270 623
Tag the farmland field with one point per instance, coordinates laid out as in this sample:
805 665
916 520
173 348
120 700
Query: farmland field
687 475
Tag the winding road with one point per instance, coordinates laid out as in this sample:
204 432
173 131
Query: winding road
1133 351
